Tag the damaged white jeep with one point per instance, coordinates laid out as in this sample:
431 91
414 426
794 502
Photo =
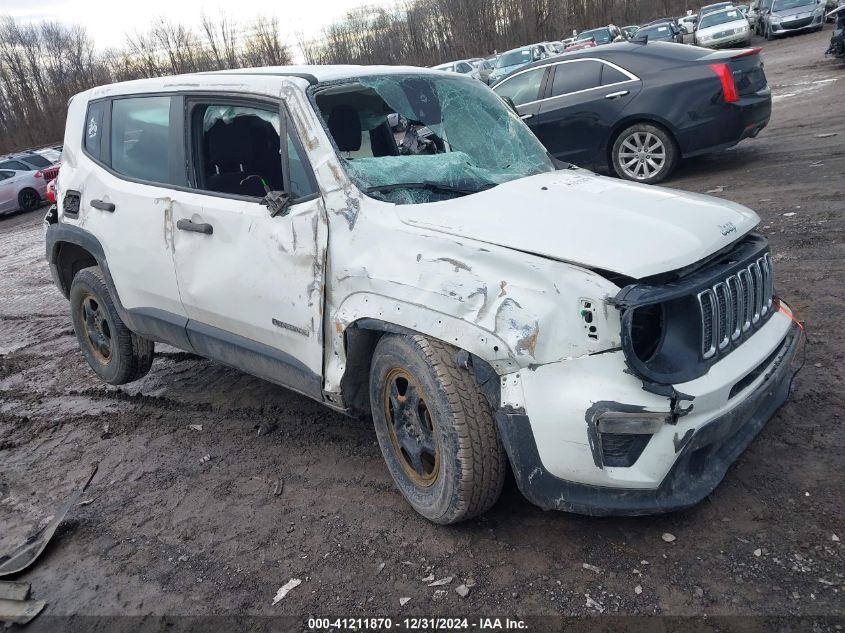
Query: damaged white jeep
619 345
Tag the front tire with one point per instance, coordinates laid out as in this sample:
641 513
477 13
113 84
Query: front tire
769 35
114 352
435 429
644 153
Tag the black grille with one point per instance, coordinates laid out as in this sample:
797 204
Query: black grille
797 24
730 307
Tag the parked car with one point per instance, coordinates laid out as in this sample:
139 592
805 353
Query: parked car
630 31
722 29
637 109
793 16
688 22
513 60
597 37
759 8
467 300
51 154
21 190
25 161
483 67
661 32
463 67
718 6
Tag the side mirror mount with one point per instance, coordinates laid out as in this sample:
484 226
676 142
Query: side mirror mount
278 202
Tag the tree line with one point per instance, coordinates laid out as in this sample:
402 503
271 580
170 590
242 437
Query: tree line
43 64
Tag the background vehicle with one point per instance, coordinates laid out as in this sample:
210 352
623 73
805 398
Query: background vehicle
688 23
51 154
630 31
713 7
483 67
25 161
597 37
638 108
723 28
661 32
22 190
514 59
793 16
463 67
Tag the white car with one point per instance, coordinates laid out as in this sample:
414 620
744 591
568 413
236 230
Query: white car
463 67
21 190
724 28
618 344
688 23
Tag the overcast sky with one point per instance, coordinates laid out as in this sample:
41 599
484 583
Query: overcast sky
109 21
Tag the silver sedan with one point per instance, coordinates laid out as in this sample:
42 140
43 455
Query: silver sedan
726 27
22 190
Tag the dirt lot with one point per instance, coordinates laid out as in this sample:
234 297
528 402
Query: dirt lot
168 533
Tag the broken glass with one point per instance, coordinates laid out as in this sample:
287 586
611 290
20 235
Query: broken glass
481 141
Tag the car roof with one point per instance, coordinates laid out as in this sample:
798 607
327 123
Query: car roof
303 75
725 10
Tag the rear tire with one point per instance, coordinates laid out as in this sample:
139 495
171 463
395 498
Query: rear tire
28 199
644 153
435 429
114 352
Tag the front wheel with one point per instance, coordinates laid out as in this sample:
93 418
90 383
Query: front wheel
114 352
435 429
769 35
644 153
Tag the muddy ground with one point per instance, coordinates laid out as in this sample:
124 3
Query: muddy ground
168 533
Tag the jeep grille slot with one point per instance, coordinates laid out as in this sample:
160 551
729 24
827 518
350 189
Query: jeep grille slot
730 307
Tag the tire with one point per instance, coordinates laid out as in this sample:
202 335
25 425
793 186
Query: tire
644 153
456 466
28 199
114 352
769 35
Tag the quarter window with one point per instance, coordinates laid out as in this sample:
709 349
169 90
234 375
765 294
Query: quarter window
139 138
5 174
93 132
524 87
576 76
609 75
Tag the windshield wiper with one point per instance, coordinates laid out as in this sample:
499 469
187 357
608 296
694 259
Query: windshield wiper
430 186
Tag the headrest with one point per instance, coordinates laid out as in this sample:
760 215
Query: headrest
345 127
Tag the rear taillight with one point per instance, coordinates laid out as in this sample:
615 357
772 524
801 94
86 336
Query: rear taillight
39 174
727 78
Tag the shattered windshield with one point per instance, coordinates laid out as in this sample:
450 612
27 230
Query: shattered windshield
409 139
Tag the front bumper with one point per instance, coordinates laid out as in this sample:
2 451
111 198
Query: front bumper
703 453
786 27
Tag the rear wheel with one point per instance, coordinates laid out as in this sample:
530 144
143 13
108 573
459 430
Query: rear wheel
644 153
435 429
115 353
28 200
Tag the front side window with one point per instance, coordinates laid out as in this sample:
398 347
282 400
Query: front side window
461 138
139 138
237 150
576 76
93 132
522 88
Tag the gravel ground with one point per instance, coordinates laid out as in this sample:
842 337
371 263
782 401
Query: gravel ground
167 533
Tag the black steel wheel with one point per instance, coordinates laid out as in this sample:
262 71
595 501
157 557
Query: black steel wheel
28 200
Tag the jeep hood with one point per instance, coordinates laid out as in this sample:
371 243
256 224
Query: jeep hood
592 221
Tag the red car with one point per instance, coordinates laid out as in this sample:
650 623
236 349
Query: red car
596 37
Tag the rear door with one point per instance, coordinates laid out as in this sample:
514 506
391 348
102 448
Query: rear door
585 98
251 282
131 160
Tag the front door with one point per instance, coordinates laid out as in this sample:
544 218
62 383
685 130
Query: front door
251 283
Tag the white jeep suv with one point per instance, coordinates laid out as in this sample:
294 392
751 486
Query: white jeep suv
618 344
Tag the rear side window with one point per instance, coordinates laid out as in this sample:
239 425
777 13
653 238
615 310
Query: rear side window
94 128
139 138
16 165
5 174
524 87
576 76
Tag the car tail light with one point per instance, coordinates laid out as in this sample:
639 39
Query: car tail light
39 174
728 86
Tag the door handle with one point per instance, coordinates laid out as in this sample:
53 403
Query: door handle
103 206
195 227
616 95
525 117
